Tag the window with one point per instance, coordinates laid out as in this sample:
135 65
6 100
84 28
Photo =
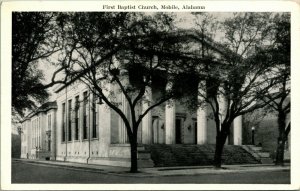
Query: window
36 133
39 132
85 111
77 106
63 122
95 120
49 122
70 120
33 134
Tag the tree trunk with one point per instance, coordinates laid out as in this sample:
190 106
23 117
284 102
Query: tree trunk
134 166
220 141
281 139
280 152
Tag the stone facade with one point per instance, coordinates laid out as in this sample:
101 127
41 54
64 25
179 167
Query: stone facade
83 130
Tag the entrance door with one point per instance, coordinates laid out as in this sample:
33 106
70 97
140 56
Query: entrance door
178 129
155 129
49 145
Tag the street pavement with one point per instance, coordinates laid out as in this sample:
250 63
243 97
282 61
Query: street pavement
30 171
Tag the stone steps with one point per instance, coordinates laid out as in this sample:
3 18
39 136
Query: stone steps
264 154
259 154
195 155
256 148
266 161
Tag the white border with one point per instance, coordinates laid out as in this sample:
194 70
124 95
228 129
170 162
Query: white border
210 6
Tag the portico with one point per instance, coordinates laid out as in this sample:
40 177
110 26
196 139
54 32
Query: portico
177 122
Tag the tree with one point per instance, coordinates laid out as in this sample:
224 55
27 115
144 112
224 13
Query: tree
122 54
34 38
279 99
240 77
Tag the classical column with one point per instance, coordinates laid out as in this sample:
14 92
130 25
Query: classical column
122 128
107 122
201 117
237 131
147 119
201 126
170 110
123 137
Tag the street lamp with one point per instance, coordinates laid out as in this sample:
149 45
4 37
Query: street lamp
253 132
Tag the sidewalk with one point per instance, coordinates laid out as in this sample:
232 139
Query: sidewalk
159 171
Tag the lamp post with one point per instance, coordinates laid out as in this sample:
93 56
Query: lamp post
253 132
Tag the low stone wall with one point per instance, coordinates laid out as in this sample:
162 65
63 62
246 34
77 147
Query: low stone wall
124 162
119 151
79 159
119 155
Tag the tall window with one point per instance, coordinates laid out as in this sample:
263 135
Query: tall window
63 122
49 135
39 132
95 121
36 133
85 111
32 138
70 120
49 122
24 133
76 117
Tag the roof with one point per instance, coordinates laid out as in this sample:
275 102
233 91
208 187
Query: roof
48 105
185 35
43 108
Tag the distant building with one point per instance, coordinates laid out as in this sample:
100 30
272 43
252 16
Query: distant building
37 129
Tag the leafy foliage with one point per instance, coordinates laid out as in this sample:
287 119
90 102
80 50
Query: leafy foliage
240 75
131 52
33 39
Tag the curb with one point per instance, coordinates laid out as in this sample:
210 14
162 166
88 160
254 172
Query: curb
155 172
88 169
60 165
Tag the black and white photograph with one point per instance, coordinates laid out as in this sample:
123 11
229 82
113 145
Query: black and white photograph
149 94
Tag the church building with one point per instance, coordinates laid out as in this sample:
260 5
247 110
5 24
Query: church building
78 127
